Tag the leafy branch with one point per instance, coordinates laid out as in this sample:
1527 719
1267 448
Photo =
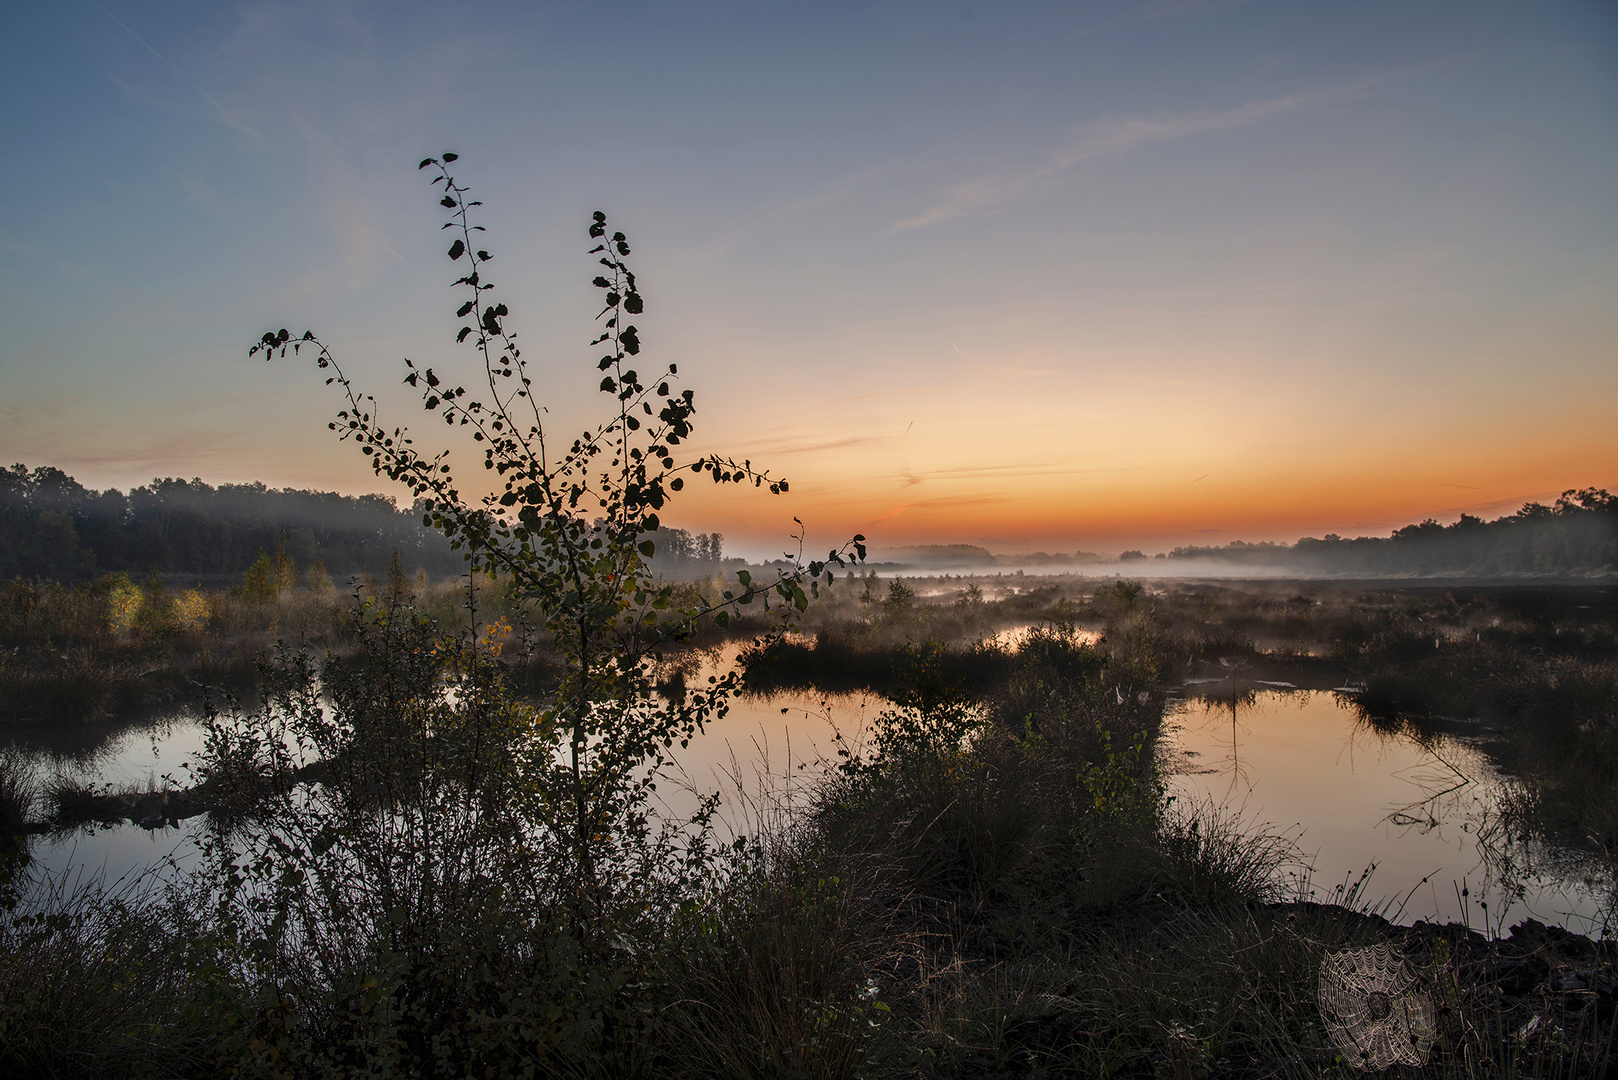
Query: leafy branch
588 578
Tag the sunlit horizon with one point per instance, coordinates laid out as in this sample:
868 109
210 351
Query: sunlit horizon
1119 276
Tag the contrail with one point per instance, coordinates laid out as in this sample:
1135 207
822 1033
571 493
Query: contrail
230 117
906 435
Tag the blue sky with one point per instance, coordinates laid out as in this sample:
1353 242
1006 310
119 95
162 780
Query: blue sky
1035 276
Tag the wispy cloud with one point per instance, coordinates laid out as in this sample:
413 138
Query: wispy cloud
984 472
228 117
951 502
352 216
890 515
797 444
768 217
1108 138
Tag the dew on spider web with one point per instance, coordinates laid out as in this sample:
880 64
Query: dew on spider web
1372 1007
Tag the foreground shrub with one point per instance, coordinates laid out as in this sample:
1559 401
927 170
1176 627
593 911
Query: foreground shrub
785 975
96 982
430 874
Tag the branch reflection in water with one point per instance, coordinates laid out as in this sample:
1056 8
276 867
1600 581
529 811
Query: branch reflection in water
1397 814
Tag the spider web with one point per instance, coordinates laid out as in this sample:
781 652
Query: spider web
1372 1011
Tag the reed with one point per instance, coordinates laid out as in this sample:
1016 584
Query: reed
98 981
19 792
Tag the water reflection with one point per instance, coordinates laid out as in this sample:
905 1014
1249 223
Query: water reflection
1359 789
118 853
763 757
1425 813
766 753
120 751
144 752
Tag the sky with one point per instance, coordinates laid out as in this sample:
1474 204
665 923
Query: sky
1055 277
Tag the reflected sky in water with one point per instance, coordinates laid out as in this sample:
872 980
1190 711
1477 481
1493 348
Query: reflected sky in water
1425 814
1428 817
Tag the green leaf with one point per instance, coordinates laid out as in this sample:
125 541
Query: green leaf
647 548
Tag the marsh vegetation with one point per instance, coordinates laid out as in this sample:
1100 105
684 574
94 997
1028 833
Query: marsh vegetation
990 882
430 843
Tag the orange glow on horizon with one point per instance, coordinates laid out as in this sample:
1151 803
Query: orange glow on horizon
1156 506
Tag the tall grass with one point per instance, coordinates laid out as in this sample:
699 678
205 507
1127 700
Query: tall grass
19 791
786 975
99 981
1064 920
994 883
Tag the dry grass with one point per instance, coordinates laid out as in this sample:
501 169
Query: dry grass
19 791
96 984
98 649
997 893
786 977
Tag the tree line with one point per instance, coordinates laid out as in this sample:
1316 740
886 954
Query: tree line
678 550
1576 534
52 527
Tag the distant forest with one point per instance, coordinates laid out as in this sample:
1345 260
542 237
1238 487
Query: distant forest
54 528
1578 534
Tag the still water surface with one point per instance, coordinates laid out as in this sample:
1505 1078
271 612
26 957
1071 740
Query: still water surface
1422 819
148 753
